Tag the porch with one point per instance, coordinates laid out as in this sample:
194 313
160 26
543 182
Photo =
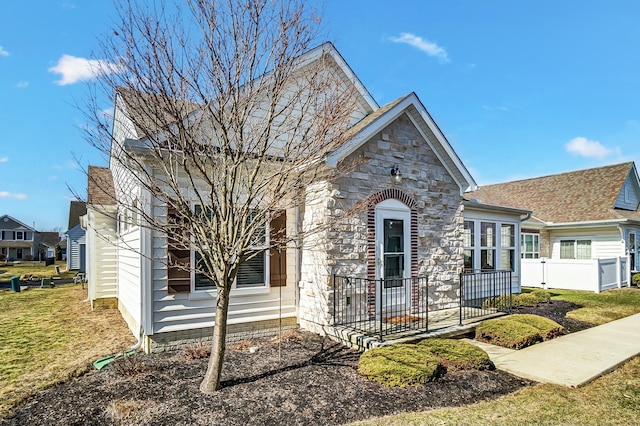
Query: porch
376 312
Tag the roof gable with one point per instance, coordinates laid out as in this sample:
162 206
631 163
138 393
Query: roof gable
417 113
629 195
8 222
579 196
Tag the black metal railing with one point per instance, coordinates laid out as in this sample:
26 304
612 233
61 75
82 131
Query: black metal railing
485 292
381 307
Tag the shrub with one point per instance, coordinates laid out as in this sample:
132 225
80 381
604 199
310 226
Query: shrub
526 299
198 350
400 365
507 333
547 328
457 354
542 296
499 302
636 279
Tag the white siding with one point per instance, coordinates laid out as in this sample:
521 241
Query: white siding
628 197
75 237
186 311
605 242
129 277
101 255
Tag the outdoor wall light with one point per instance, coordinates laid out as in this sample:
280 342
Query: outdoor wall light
396 174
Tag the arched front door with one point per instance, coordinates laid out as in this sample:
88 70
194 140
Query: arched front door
393 255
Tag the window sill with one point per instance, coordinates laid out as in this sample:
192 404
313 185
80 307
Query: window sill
235 292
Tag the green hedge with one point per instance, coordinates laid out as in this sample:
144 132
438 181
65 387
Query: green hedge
547 328
457 354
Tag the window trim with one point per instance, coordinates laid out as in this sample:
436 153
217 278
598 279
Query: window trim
536 244
476 246
210 291
575 241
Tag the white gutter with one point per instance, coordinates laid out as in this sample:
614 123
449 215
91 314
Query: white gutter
587 223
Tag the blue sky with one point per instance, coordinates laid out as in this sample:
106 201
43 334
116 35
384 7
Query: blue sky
520 89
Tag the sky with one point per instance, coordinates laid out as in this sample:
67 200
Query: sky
519 89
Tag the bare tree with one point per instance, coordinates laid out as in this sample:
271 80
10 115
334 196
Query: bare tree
220 106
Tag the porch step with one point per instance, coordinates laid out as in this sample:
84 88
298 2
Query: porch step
363 342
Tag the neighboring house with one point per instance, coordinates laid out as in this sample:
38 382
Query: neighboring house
416 222
17 240
584 231
48 243
75 237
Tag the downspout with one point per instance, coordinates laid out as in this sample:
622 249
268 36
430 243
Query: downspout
298 276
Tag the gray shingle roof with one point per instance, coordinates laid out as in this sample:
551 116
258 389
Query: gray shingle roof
100 190
583 195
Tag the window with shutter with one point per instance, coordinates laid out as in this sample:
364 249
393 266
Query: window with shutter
278 254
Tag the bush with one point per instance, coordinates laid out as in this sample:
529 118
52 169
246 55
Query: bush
517 331
636 279
542 296
400 365
498 302
507 333
458 355
547 328
526 299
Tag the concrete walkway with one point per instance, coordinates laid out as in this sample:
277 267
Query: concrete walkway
575 359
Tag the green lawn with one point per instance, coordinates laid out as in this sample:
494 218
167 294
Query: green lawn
50 335
613 399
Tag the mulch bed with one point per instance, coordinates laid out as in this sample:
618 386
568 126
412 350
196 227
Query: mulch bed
307 380
556 310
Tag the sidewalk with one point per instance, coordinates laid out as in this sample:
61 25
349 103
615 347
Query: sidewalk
575 359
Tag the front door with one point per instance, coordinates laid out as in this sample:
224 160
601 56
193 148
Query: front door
393 255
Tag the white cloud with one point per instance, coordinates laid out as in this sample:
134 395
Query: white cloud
3 52
73 69
5 194
588 148
431 49
4 159
22 84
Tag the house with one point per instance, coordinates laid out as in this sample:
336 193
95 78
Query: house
584 229
75 237
48 243
17 240
412 239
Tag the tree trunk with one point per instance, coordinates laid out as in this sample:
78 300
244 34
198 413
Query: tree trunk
211 381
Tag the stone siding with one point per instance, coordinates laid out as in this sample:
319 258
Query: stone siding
343 203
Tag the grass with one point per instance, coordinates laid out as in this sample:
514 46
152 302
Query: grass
35 268
601 308
507 333
610 400
50 335
458 355
547 328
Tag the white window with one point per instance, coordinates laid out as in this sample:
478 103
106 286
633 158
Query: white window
530 246
487 245
575 249
469 245
253 270
508 246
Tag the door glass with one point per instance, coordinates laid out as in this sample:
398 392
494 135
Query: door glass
393 253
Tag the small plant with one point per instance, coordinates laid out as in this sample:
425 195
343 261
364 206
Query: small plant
499 302
542 296
636 279
199 350
400 365
129 365
526 299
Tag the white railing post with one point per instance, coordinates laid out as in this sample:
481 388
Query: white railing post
599 275
618 272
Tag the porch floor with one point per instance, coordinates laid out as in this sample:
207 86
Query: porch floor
441 323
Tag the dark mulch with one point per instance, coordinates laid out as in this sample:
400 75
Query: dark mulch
556 310
314 383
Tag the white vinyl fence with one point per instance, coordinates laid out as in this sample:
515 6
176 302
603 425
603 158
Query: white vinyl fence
593 275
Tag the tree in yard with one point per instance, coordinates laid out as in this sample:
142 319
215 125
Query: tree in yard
222 119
